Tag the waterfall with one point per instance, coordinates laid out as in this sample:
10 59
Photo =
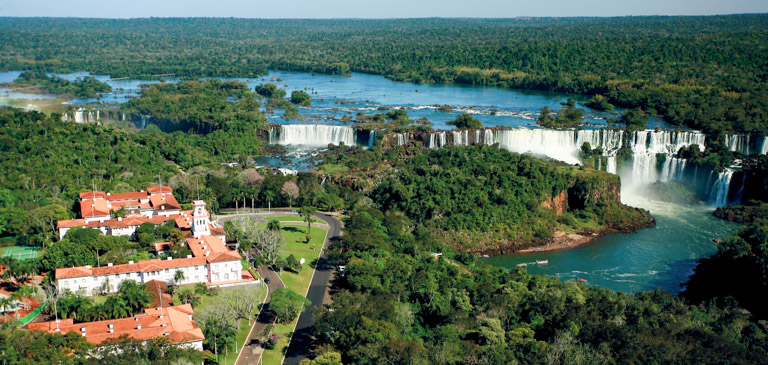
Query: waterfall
403 138
563 145
488 137
461 138
672 169
143 122
316 135
610 164
371 138
80 116
738 143
437 139
645 145
718 196
764 148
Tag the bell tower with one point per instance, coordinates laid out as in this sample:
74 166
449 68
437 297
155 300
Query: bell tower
200 220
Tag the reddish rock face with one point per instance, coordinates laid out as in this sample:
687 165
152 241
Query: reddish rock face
557 204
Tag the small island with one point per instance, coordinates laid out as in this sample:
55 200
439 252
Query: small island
33 82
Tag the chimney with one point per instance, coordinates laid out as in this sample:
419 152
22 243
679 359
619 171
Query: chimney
109 264
119 219
138 327
87 267
82 329
111 328
164 324
190 317
170 258
130 262
189 256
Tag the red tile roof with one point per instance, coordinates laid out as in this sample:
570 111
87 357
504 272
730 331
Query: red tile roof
134 195
94 208
164 202
141 266
159 189
162 246
92 194
175 324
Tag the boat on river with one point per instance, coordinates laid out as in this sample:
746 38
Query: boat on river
542 262
581 280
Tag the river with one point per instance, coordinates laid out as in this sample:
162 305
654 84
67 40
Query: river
661 257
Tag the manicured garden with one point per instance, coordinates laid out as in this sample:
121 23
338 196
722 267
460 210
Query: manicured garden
295 237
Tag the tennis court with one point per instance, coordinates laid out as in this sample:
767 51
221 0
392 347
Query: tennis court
20 253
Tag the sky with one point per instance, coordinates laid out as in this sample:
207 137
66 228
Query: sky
375 9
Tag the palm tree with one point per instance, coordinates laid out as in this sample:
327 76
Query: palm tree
134 295
178 277
269 195
117 307
273 225
6 303
27 291
307 212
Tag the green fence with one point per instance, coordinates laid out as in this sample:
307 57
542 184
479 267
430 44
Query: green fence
29 317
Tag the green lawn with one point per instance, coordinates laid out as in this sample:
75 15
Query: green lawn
225 355
291 218
299 283
275 356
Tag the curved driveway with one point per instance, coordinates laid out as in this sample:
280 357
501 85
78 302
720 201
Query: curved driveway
321 280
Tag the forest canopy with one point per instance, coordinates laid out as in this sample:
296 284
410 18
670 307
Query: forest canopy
702 72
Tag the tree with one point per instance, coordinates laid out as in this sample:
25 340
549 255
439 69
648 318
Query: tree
44 218
134 295
287 305
117 307
307 212
466 121
270 91
13 221
178 277
268 242
189 296
273 225
240 303
291 190
269 195
299 97
292 263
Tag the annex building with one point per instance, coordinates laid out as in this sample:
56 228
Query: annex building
174 322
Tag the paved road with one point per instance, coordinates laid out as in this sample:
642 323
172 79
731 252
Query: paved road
302 337
320 282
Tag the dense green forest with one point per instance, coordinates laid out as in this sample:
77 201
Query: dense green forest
481 198
201 106
704 72
39 81
398 304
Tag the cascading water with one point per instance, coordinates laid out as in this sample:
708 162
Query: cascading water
403 138
563 145
719 193
645 145
738 143
461 138
371 138
764 148
437 139
314 135
673 169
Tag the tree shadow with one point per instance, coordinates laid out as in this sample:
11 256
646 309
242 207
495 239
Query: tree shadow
291 229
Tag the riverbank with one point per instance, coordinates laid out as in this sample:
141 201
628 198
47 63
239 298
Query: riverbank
563 240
